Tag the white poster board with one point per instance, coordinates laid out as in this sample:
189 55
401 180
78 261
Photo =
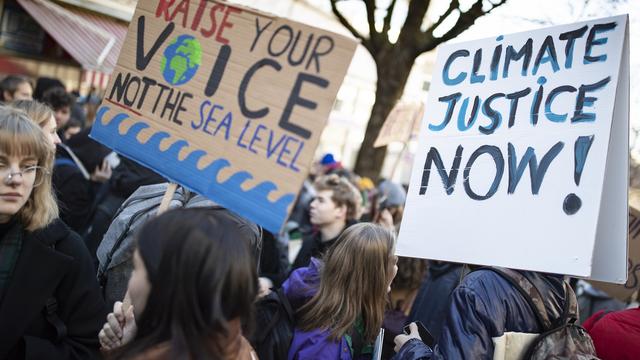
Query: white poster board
522 159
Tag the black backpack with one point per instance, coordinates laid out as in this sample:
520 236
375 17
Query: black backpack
275 323
560 339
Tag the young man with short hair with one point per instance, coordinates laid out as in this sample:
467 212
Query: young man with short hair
61 102
335 207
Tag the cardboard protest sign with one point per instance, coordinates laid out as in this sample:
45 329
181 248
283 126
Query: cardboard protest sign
625 291
402 122
523 153
224 100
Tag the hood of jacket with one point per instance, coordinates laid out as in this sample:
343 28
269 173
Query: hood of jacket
303 283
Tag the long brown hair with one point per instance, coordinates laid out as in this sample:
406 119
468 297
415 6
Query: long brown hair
22 137
354 280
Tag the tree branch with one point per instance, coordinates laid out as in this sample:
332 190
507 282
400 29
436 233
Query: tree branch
387 19
371 19
466 19
365 42
412 24
453 5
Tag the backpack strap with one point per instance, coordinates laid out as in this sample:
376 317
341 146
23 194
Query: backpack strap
529 292
262 334
51 314
76 161
102 270
286 305
570 307
64 162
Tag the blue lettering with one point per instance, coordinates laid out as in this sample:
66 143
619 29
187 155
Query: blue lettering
592 41
445 72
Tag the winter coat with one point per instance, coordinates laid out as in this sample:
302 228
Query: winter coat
74 192
616 335
53 264
299 288
432 301
482 307
314 247
274 261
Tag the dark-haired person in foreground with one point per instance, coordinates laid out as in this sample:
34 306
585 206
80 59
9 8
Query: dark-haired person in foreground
192 290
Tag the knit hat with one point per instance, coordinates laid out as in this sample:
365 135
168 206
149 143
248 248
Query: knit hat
394 193
328 159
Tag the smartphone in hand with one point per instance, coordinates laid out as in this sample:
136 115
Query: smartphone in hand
425 335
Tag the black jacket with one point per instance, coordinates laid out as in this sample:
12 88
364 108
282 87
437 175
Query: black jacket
313 246
53 263
483 306
73 191
432 300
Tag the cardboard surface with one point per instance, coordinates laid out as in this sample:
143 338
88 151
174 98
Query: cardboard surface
523 153
224 100
625 291
401 124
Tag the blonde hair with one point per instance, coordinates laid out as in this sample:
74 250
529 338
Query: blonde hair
354 279
39 112
344 193
19 136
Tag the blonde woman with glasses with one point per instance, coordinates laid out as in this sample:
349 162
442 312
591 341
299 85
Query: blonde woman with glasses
50 303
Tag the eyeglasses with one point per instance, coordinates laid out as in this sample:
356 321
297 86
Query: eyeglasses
33 174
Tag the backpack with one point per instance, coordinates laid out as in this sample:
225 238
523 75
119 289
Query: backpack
115 252
275 323
561 339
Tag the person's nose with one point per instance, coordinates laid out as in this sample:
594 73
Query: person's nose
14 177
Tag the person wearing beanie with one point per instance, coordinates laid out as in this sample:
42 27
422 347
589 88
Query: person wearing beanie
616 334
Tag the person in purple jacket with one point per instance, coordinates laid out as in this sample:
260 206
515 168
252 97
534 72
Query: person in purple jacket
340 300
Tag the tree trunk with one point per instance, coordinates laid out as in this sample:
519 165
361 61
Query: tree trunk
393 72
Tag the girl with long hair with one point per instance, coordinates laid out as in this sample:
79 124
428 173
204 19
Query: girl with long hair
50 303
341 299
192 290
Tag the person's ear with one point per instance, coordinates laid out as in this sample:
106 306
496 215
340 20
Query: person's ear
7 96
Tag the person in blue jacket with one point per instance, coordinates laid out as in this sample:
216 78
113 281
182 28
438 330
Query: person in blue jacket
340 301
484 306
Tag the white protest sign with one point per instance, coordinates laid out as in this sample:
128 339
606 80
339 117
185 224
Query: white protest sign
522 159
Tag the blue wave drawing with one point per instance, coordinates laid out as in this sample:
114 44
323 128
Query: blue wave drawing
252 204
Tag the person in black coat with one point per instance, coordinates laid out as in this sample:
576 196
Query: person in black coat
78 179
432 300
335 207
50 303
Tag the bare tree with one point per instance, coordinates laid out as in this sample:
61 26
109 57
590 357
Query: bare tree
394 60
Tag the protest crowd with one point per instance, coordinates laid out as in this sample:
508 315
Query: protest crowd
201 282
104 258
